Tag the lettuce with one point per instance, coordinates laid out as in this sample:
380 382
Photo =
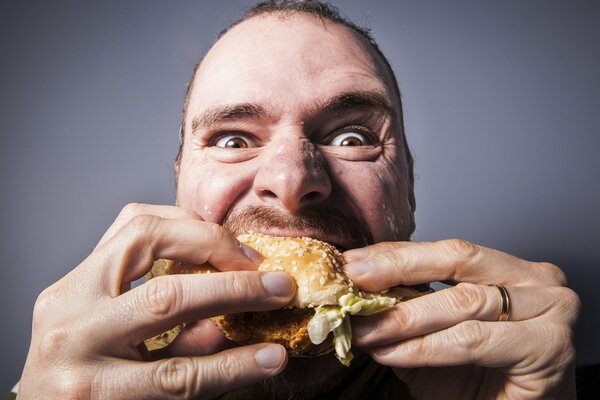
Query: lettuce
336 319
355 305
325 320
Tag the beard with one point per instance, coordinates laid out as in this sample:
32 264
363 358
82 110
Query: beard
303 378
319 222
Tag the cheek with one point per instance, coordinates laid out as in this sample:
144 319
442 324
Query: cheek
210 188
379 192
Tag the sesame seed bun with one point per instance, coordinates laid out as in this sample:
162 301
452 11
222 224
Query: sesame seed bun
316 268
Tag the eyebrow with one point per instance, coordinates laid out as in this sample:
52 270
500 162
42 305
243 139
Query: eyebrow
228 112
356 99
337 104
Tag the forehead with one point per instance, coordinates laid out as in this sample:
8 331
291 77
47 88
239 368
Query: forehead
286 61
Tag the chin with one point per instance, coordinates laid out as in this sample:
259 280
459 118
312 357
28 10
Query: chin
304 378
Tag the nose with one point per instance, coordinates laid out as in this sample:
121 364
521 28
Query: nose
293 175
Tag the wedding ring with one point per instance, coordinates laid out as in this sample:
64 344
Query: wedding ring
504 304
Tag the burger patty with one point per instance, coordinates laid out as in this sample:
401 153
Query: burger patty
285 327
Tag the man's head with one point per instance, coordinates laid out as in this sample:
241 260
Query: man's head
293 127
294 117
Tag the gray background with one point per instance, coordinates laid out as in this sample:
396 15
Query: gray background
502 112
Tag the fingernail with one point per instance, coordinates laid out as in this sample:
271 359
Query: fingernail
356 254
270 356
278 284
251 254
358 268
363 327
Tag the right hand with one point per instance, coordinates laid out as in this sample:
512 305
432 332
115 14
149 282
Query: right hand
89 327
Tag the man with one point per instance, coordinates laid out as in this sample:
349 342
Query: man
293 126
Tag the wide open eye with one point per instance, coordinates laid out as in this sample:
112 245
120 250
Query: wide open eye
350 139
233 142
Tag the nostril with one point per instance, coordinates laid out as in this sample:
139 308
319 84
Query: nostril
268 193
312 196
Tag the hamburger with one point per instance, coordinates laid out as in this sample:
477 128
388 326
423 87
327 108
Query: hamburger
317 319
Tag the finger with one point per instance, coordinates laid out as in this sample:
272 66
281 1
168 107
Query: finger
449 307
385 265
196 377
132 210
198 338
166 301
129 254
488 344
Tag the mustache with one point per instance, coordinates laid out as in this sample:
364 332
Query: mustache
325 222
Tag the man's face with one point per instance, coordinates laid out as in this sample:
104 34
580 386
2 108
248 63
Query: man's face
290 122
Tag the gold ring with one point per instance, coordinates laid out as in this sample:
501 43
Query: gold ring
504 304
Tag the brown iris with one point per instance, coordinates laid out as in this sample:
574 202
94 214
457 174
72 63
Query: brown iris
351 141
236 143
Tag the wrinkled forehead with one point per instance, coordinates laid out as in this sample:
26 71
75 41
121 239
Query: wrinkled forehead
286 60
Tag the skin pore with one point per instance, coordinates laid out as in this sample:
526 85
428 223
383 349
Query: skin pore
291 120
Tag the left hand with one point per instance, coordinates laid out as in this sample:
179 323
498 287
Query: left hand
450 344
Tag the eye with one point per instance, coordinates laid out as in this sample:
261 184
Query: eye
350 139
233 142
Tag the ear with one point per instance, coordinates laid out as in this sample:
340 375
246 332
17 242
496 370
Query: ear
177 162
412 201
410 163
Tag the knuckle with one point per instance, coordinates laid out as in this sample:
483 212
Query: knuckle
191 214
129 211
43 306
468 297
556 275
53 343
215 231
228 368
237 286
419 349
469 335
392 258
569 304
403 318
162 295
176 377
141 224
461 247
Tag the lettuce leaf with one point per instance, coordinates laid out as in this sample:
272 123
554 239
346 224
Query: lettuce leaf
336 319
325 320
342 340
355 305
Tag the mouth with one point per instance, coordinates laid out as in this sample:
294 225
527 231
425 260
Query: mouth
331 225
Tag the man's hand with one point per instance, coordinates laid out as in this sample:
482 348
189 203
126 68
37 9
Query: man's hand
89 327
450 344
